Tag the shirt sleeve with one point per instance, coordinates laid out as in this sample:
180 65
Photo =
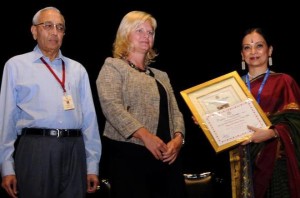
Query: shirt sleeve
8 117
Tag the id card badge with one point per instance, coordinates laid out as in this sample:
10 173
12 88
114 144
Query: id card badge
68 102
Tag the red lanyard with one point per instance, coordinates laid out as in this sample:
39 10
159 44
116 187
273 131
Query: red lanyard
61 82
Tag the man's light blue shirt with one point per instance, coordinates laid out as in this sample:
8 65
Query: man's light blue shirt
32 97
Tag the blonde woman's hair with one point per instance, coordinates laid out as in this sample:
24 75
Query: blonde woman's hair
129 23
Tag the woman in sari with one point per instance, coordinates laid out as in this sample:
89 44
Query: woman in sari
268 163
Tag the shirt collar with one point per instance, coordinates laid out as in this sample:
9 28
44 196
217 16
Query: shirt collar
39 54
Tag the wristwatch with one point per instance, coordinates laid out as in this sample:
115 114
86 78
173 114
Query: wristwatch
182 137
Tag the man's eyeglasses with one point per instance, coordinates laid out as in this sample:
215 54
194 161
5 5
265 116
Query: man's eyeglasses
49 26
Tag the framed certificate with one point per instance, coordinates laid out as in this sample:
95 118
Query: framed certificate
224 107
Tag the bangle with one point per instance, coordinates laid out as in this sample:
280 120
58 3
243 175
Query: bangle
276 135
182 136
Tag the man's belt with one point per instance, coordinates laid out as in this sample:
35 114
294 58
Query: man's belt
52 132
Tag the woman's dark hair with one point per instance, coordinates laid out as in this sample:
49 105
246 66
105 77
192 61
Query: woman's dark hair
260 31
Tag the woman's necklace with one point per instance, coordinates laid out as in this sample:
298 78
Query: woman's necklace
138 69
261 86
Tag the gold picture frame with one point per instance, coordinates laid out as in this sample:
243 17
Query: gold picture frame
225 104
